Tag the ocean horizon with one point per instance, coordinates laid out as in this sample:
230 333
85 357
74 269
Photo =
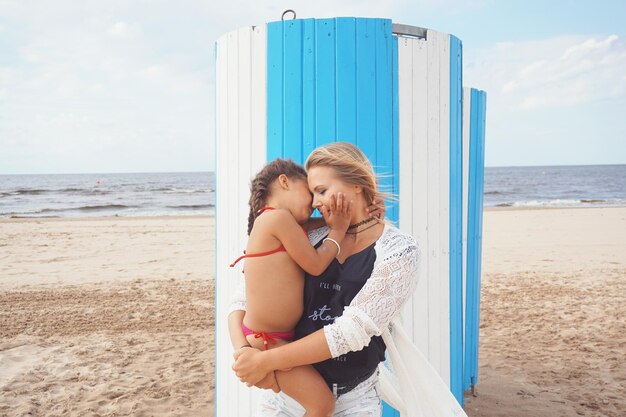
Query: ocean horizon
192 193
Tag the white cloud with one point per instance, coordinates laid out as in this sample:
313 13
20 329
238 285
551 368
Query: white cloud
121 30
551 73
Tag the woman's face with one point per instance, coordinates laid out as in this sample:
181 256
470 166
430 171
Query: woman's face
323 183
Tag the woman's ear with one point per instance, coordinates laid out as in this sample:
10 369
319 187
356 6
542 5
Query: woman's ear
357 189
283 181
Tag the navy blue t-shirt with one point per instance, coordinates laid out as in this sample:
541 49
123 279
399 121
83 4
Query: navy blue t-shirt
325 297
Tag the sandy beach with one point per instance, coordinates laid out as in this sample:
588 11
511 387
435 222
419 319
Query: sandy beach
107 317
553 302
114 316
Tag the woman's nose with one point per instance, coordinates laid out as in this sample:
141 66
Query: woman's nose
316 203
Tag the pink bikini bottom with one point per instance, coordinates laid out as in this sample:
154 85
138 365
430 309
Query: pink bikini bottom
269 337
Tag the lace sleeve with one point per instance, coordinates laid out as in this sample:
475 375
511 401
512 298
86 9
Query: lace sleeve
316 235
391 284
238 299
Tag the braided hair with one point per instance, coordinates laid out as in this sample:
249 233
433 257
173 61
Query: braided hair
260 185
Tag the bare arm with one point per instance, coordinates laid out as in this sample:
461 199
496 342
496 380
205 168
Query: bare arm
237 338
284 227
253 365
240 343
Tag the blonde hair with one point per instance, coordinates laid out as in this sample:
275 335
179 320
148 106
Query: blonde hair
350 165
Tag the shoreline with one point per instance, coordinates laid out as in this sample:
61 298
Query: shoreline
17 219
95 218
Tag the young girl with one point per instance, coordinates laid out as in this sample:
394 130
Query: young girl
277 254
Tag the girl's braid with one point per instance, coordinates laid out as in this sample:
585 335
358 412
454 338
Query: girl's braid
262 182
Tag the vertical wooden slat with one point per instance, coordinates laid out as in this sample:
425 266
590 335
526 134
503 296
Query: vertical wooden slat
474 250
406 158
365 80
275 116
435 290
420 204
309 98
384 111
395 178
258 108
466 161
346 80
292 93
444 201
456 217
325 106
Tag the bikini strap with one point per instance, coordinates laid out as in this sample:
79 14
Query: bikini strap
281 248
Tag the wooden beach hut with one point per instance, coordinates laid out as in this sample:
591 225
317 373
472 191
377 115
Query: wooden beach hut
396 91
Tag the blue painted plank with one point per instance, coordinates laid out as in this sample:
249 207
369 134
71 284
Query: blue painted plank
470 306
325 81
474 231
456 221
366 95
481 189
384 107
275 132
308 88
394 213
292 93
346 79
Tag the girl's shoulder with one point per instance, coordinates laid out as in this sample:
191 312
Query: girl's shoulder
274 217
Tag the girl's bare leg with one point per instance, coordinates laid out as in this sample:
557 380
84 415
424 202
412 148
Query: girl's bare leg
306 386
303 384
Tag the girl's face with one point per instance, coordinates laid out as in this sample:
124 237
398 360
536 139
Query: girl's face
323 183
299 200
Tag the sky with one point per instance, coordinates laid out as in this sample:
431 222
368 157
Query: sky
128 85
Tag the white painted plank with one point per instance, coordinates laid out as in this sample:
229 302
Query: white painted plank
422 328
240 144
405 153
444 200
258 146
435 295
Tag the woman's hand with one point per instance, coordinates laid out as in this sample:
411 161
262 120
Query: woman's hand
249 366
376 209
338 213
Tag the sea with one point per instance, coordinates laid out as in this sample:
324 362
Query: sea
193 193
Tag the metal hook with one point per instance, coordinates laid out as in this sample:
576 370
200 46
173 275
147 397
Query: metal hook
287 11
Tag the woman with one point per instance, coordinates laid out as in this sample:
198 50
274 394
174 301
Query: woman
351 309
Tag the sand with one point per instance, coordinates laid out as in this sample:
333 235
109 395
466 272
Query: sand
114 316
553 314
107 317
